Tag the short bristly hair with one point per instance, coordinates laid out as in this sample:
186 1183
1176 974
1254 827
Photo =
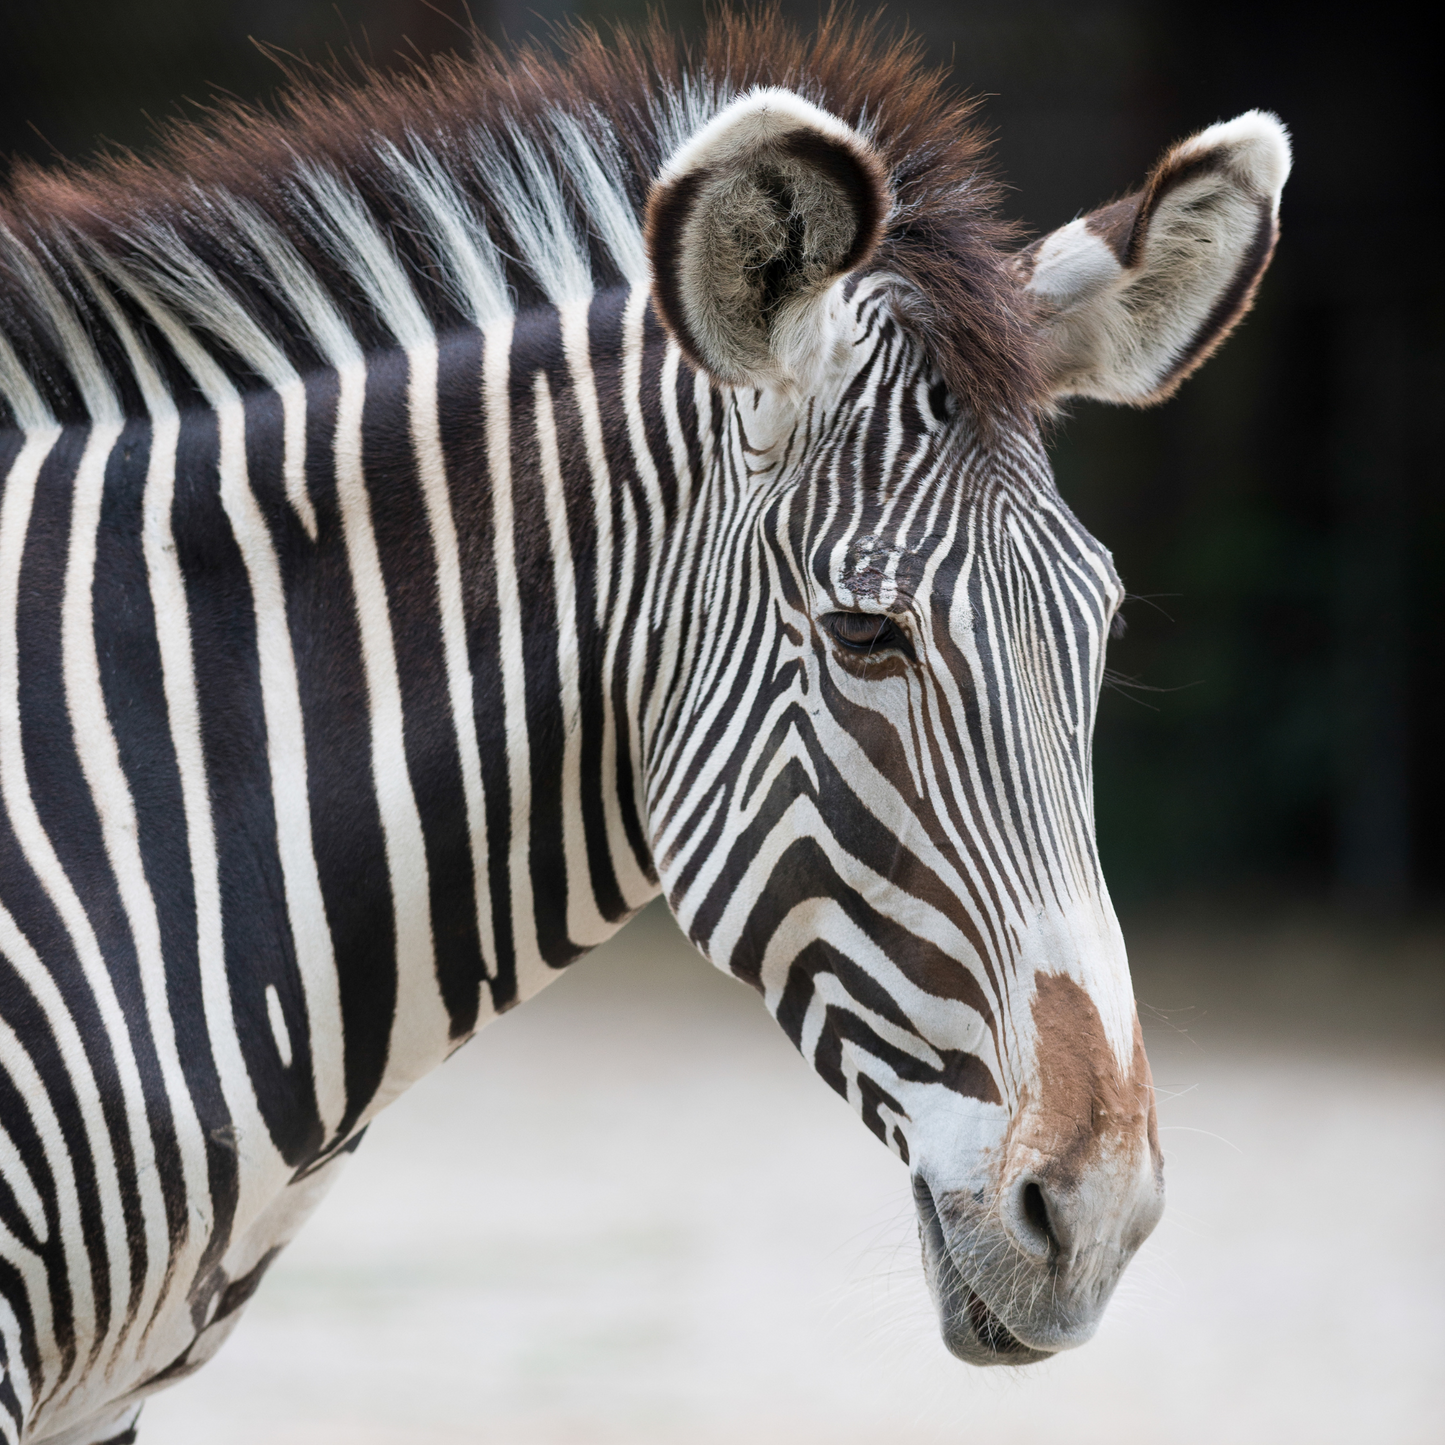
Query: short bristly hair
499 183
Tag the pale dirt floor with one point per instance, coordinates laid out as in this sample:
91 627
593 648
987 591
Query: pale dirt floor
630 1215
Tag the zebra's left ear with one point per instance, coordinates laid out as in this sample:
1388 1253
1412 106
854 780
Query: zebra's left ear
1135 296
749 226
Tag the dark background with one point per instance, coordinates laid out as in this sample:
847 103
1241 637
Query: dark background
1281 522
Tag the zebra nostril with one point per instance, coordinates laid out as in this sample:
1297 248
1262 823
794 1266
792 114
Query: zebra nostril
1038 1218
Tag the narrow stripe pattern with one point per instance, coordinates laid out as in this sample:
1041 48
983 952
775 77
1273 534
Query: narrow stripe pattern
365 660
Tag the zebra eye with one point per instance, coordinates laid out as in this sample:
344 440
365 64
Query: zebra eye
866 632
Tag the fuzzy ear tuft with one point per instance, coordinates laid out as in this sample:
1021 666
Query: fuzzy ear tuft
1136 295
749 226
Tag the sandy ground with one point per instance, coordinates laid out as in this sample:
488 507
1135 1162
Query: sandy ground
629 1213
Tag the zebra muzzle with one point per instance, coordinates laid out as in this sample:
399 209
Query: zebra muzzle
971 1329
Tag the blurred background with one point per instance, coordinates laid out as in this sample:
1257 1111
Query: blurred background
1271 807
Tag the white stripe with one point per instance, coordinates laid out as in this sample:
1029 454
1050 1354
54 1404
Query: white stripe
461 687
577 347
12 1162
421 1026
496 398
276 1017
636 888
633 882
292 392
585 924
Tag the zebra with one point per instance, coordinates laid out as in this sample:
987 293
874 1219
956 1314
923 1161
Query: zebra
446 511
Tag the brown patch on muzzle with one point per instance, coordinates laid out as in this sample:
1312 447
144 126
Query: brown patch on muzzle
1086 1106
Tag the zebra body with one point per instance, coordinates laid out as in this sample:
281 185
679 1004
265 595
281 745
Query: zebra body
379 631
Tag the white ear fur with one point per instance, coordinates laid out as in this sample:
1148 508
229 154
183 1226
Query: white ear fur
1138 294
749 227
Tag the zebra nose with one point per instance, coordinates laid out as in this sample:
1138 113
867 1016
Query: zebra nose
1084 1222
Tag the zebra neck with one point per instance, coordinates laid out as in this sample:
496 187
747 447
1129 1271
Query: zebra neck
383 657
502 567
567 538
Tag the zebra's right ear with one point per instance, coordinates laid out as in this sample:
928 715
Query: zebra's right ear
750 225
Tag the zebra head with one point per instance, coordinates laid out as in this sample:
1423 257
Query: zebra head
870 788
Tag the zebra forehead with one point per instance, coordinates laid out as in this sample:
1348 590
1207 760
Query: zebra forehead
499 184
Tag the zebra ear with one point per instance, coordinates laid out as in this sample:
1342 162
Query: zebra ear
1138 294
748 227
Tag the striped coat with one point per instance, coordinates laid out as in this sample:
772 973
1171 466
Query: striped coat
437 520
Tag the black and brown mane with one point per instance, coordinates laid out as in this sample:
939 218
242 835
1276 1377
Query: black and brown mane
943 238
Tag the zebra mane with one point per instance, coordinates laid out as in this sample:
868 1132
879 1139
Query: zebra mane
458 193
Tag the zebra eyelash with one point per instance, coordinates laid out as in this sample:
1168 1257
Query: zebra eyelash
867 633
